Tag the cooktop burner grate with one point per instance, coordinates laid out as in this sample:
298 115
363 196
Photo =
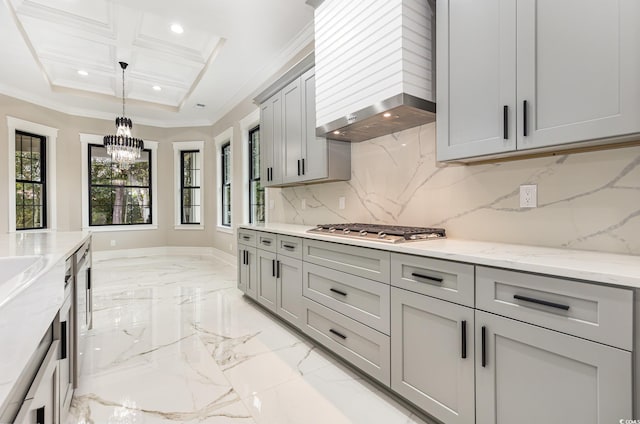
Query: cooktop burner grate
378 232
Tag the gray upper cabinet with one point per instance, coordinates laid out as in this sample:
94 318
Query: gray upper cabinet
270 140
530 375
291 152
520 75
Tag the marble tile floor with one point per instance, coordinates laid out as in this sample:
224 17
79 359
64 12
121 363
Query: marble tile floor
174 341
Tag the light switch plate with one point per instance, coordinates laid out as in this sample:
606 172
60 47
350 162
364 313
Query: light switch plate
529 196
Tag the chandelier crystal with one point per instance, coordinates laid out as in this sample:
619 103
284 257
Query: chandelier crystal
123 147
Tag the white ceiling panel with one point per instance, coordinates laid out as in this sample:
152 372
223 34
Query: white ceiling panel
227 50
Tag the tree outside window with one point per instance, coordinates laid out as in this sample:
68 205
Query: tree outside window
225 152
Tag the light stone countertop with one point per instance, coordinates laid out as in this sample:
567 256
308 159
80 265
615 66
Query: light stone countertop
30 300
608 268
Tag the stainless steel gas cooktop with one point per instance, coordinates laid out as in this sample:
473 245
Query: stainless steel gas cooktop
377 232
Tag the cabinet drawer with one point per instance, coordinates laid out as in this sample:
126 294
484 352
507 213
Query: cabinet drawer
247 237
266 241
364 300
445 280
289 246
590 311
364 347
368 263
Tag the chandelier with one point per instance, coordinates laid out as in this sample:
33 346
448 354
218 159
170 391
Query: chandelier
123 148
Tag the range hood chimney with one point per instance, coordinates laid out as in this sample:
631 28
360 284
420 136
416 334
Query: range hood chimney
375 71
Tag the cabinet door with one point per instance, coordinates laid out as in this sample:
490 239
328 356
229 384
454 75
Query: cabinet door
291 152
251 286
314 149
476 74
42 402
289 290
266 293
243 270
432 350
578 68
65 365
270 136
531 375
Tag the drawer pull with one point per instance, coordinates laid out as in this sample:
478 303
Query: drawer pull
427 277
542 302
266 242
464 339
342 336
288 246
341 293
63 340
246 237
40 416
484 346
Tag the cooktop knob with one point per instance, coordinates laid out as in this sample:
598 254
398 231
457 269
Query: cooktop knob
382 235
346 231
363 233
332 230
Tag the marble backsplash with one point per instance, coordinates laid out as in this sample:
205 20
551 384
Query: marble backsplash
586 201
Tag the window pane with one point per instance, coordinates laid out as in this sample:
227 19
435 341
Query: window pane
119 196
226 205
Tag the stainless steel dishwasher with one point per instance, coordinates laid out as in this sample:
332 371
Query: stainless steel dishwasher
84 308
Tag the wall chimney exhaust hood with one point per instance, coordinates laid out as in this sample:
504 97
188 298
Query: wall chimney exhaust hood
375 72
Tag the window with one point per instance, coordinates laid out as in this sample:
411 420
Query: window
225 155
31 175
119 196
188 160
190 187
256 191
31 181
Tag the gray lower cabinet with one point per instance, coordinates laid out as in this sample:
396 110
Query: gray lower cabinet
432 355
247 278
41 405
266 271
530 375
289 289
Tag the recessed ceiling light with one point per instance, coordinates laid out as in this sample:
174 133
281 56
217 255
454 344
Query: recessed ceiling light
387 115
157 88
177 28
83 73
336 132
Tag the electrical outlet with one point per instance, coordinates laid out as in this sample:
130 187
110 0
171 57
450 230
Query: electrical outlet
303 204
113 243
341 202
529 196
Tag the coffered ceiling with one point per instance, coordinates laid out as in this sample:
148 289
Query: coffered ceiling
64 54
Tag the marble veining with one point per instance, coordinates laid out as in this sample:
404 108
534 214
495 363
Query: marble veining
587 201
174 341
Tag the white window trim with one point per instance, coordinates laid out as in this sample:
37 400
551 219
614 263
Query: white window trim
247 123
223 138
180 146
85 140
51 135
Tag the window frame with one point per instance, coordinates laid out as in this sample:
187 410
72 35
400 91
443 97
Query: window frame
251 178
178 148
224 184
51 135
85 141
224 137
42 182
152 199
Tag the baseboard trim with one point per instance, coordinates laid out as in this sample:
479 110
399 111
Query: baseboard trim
166 250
